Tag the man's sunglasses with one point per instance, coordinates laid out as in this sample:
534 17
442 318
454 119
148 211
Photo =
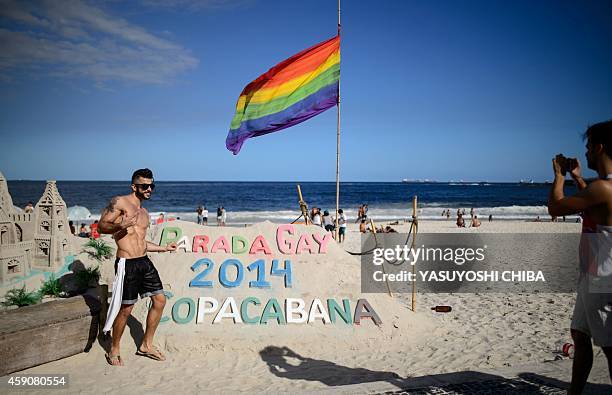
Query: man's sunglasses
145 187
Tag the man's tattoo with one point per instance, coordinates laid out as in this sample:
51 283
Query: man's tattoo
111 206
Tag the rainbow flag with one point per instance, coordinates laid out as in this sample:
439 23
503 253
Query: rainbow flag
291 92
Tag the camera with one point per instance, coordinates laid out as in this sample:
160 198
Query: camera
566 164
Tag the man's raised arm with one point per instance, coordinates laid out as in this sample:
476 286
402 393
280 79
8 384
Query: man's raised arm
110 214
576 174
559 205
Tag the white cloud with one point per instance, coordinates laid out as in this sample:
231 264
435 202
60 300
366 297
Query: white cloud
193 5
73 38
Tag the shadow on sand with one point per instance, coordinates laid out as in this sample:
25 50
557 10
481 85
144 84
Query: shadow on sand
279 362
284 362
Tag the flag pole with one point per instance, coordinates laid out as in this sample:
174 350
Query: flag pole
338 146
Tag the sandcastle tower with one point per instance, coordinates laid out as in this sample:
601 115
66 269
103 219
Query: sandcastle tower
6 202
51 230
15 252
8 233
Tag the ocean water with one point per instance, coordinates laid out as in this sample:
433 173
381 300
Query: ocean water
249 202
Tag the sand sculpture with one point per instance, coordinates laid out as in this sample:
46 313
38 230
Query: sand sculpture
38 240
266 284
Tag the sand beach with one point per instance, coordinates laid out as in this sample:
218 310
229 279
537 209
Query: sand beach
203 135
484 331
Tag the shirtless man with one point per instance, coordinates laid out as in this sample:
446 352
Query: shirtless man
594 201
127 221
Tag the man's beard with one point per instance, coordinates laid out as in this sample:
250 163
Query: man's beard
142 196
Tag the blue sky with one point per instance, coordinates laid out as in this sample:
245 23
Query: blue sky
473 90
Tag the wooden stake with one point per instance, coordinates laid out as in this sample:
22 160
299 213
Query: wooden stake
303 206
383 264
415 226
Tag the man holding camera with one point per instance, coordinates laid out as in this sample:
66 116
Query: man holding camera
592 318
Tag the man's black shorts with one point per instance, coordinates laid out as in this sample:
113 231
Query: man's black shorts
141 278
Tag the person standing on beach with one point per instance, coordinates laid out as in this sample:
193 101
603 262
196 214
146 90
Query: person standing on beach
135 275
205 216
94 234
593 310
341 226
328 224
363 226
29 208
360 214
223 216
316 218
199 211
219 216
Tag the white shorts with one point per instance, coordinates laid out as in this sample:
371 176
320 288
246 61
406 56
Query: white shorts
593 314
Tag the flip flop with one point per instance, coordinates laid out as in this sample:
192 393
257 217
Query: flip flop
155 354
111 358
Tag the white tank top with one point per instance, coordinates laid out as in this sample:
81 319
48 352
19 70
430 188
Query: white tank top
596 247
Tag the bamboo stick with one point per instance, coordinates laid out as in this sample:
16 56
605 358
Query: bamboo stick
415 226
303 207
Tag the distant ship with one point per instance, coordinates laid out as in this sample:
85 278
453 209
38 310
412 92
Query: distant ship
427 180
526 182
451 182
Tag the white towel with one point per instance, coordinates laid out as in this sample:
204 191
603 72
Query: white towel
115 303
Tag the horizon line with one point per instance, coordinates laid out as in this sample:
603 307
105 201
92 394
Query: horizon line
294 181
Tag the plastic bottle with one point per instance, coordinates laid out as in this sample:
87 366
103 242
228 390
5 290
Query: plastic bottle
442 309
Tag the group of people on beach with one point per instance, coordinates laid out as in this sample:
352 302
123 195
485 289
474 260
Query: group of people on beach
328 222
202 215
362 218
91 233
474 221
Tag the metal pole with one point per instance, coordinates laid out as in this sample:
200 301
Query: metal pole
338 146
